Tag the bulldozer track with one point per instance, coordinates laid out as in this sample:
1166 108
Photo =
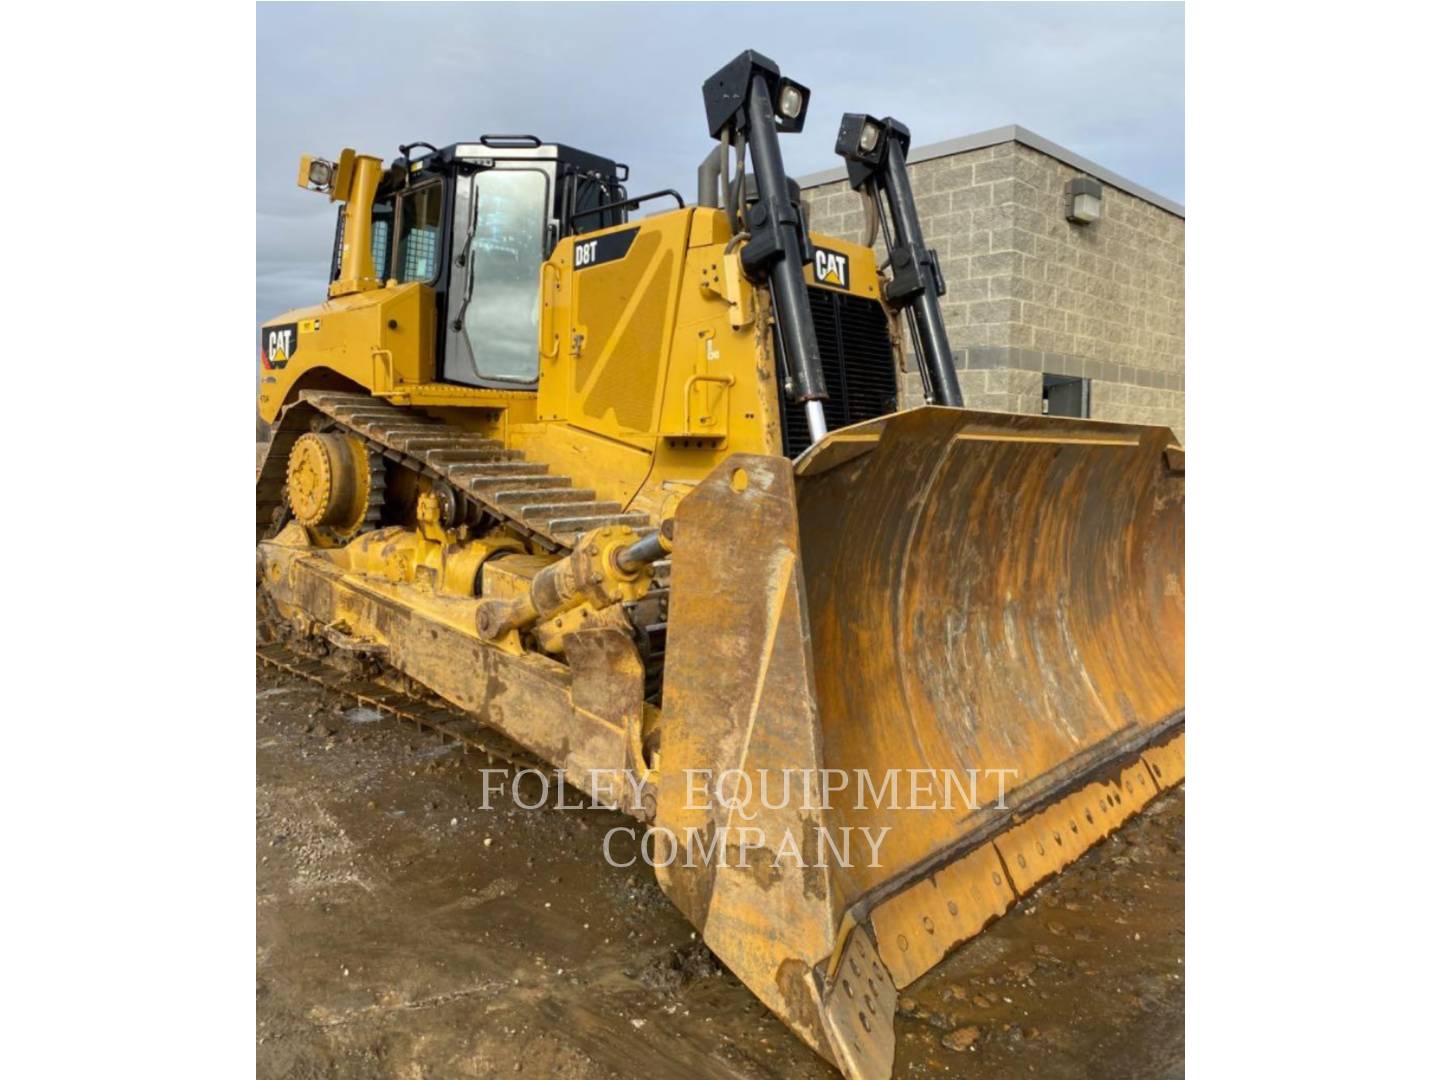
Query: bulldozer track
497 481
381 693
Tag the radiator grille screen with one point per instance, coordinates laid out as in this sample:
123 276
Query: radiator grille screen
856 359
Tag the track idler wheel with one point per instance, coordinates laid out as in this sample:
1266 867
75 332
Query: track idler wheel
330 482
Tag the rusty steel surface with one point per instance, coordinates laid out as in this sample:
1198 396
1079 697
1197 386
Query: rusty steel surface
940 592
591 736
991 592
387 695
739 695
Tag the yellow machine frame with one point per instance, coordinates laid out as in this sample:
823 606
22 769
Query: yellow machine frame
653 369
935 588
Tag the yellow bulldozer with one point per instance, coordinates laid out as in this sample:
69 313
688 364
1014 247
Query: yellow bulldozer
634 491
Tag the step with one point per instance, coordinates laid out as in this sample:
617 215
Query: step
362 404
532 495
335 398
549 488
575 525
419 444
445 460
513 471
464 455
394 420
384 414
484 482
393 430
549 511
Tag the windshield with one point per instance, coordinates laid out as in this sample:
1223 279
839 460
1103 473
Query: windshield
503 314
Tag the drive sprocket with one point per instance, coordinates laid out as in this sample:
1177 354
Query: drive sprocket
335 485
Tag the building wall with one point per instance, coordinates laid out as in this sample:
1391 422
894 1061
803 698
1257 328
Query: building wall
1029 293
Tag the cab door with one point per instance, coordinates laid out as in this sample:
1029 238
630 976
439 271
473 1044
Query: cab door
501 225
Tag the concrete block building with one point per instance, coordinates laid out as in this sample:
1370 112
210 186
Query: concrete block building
1045 313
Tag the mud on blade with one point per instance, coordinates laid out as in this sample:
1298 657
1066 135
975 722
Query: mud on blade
992 601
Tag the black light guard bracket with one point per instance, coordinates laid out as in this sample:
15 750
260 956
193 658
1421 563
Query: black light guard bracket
916 282
740 99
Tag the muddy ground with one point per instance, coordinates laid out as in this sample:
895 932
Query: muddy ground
405 932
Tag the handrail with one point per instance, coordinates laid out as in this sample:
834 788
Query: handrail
550 345
499 142
627 204
727 380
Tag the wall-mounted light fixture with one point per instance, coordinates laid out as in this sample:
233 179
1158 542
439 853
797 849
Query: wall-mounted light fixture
1082 200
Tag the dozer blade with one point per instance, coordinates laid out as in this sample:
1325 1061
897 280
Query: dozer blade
960 637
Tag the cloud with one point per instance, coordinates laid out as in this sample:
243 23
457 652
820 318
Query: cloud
623 80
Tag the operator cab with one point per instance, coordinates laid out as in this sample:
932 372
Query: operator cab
474 221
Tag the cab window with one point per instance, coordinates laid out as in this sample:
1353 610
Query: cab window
381 228
417 251
501 287
586 195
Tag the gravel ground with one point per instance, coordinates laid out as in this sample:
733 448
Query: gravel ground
404 931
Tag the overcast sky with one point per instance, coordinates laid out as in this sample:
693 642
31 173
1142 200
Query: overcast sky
623 80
